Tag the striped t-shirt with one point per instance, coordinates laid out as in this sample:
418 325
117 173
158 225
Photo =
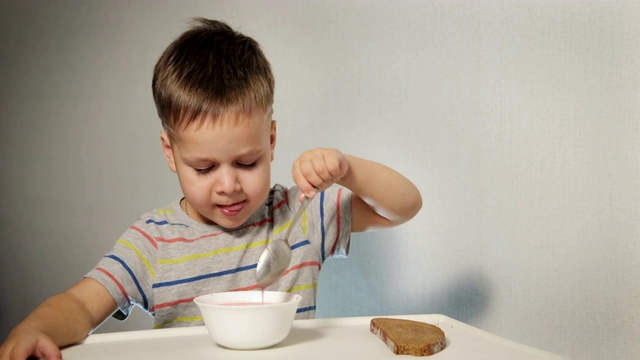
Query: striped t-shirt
166 258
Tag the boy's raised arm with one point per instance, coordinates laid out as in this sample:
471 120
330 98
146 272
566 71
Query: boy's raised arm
61 320
384 197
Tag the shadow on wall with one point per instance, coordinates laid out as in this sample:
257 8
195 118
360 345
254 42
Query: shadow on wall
371 283
464 298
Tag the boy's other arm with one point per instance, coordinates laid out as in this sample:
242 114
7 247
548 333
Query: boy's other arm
60 320
382 197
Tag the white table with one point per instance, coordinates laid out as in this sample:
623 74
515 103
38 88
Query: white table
325 339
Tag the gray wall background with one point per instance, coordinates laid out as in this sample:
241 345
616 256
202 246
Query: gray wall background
518 121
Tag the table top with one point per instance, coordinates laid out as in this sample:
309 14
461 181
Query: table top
326 339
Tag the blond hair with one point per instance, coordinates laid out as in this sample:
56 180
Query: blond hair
208 70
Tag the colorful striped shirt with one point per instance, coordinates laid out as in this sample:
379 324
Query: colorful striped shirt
166 258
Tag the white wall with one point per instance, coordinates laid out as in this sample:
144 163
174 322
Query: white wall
518 121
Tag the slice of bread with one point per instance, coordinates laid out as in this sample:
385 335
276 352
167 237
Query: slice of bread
408 337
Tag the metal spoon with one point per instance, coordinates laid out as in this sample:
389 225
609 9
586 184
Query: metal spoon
276 257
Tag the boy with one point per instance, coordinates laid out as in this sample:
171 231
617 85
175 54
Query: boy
213 89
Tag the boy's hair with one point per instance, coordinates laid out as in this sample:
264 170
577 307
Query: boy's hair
210 69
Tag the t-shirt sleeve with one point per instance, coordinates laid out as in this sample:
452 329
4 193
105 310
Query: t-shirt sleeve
128 270
329 220
338 200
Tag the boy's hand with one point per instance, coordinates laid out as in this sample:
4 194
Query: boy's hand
61 320
21 344
315 170
381 197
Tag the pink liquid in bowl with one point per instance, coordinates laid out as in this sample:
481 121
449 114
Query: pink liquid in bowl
247 303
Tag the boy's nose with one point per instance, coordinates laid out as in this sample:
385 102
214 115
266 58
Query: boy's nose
227 181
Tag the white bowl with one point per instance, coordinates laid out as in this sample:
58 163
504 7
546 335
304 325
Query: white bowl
239 319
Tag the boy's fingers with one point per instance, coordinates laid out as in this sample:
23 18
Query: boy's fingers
303 184
46 349
303 196
306 180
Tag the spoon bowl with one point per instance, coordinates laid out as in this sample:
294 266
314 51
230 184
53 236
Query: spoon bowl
273 262
277 256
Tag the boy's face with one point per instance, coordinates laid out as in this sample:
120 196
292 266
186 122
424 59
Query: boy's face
224 166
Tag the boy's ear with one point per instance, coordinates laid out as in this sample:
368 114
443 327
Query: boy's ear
167 150
272 138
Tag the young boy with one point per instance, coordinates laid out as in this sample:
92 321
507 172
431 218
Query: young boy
213 89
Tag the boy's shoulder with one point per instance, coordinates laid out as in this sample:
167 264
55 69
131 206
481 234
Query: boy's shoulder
171 211
170 218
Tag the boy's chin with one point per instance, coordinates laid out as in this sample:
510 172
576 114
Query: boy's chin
228 222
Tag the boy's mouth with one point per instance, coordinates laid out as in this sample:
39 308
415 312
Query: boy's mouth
232 209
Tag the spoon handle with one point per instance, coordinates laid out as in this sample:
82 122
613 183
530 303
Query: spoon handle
306 202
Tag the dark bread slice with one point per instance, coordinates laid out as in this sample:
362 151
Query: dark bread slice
408 337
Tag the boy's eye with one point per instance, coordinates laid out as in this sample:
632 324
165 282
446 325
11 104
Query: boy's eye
246 166
204 171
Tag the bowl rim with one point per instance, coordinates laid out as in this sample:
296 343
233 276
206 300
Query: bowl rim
199 299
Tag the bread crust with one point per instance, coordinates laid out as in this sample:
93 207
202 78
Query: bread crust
408 337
